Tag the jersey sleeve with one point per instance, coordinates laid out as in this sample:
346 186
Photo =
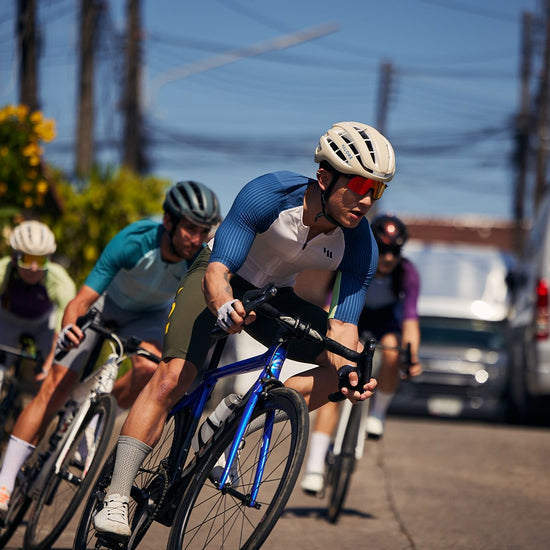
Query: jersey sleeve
411 290
123 252
255 208
61 290
354 274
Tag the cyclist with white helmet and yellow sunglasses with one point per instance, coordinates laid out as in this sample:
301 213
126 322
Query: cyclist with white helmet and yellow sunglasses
34 290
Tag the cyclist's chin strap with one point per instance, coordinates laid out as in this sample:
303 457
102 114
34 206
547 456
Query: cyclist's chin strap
324 196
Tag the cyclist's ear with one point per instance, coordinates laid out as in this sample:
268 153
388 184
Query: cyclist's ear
167 222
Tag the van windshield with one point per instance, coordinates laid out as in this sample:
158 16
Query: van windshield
463 332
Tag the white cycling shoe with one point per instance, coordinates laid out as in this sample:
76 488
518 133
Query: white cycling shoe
4 499
375 427
313 483
112 520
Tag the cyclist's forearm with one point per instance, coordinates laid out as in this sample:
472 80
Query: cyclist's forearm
79 305
215 286
344 333
411 334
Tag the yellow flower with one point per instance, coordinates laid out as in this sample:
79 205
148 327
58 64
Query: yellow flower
3 188
36 117
27 202
46 130
30 150
21 111
42 187
26 186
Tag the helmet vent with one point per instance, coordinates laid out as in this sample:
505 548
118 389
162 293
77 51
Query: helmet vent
368 143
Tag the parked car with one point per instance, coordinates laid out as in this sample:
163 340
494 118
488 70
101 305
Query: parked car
530 322
463 306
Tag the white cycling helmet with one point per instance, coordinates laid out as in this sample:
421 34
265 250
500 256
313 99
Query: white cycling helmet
33 237
357 149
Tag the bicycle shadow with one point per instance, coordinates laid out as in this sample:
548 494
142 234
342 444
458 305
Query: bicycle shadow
304 512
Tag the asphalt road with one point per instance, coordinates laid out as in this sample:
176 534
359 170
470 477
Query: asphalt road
428 484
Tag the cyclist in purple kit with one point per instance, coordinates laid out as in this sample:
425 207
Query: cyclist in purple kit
390 316
279 225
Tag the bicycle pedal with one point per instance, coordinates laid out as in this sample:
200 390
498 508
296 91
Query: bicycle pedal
111 541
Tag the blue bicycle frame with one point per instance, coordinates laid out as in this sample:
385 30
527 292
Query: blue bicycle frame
271 363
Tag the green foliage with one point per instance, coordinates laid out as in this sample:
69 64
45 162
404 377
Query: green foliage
98 210
23 182
92 213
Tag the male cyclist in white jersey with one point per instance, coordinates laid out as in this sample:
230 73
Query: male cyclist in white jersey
132 284
279 225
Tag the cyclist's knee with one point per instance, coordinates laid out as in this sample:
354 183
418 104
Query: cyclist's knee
142 368
171 380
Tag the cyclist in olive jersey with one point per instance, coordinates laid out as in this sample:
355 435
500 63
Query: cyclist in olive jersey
279 225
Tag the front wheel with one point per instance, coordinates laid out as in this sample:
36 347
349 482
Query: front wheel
65 489
341 466
212 518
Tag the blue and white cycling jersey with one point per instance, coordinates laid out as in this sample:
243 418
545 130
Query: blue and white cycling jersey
132 272
263 239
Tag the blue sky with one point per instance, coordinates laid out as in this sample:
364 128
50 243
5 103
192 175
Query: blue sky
455 90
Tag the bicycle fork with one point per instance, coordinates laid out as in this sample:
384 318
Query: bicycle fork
74 413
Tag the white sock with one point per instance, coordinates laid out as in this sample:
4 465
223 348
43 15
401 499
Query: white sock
381 402
16 453
318 447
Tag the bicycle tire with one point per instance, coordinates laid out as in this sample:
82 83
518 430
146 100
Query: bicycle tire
19 504
147 494
242 526
63 493
11 405
343 466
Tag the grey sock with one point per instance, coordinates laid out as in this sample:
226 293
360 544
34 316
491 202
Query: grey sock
130 455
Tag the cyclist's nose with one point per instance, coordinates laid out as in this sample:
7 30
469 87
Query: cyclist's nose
195 237
366 201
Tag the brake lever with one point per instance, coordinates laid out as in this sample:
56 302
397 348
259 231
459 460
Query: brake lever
364 371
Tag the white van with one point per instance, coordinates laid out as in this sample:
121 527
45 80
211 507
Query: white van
463 306
530 321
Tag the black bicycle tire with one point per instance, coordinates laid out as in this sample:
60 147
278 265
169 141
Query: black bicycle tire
9 411
280 398
18 508
344 466
152 468
106 406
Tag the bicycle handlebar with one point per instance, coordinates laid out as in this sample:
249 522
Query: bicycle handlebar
126 345
258 298
21 353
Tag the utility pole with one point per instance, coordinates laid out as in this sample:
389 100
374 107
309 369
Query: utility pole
382 103
523 130
542 115
85 153
133 142
28 48
383 100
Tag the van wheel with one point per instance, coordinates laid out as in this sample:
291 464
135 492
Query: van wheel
519 400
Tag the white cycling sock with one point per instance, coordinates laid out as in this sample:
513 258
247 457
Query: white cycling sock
380 404
318 446
16 453
130 454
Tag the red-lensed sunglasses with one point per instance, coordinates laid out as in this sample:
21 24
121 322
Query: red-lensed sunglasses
361 186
